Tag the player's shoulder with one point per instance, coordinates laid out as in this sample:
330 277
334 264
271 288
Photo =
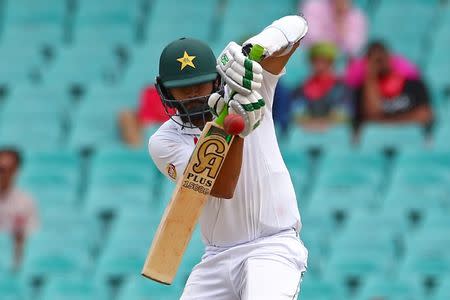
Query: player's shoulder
166 134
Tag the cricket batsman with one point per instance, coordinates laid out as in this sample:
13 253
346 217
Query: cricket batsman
251 222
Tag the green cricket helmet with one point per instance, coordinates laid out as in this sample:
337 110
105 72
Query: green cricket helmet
187 62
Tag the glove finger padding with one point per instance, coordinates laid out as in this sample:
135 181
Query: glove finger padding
216 103
240 73
251 108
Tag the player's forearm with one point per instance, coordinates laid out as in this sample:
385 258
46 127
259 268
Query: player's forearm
279 39
229 174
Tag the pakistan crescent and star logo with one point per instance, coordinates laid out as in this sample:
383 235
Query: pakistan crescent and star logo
186 60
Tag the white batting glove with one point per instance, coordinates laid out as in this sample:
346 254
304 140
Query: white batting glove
251 108
240 73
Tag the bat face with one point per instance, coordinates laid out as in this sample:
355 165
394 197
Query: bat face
207 160
188 200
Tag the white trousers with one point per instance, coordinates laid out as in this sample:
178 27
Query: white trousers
269 268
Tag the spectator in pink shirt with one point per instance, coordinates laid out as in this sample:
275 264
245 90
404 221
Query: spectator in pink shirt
18 215
338 22
356 70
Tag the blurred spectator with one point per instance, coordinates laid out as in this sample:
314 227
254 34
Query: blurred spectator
387 95
282 106
336 21
323 99
18 214
149 112
357 69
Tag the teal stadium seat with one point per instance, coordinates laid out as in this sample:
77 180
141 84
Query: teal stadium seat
385 287
7 250
297 69
107 12
30 22
141 288
12 287
240 12
381 223
80 65
424 159
124 253
375 137
317 232
26 61
346 265
52 254
336 137
368 161
320 289
341 191
442 138
427 253
418 188
110 193
299 166
122 96
95 124
443 289
143 67
45 133
194 19
77 287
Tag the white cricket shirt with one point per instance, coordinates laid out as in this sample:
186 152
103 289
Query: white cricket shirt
264 202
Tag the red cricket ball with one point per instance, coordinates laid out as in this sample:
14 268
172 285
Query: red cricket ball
233 124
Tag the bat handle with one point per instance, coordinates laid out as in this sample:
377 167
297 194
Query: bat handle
223 114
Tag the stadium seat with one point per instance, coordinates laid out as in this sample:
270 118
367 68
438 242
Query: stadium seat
37 99
107 12
76 287
442 138
240 12
12 287
80 65
355 160
95 125
385 287
6 248
141 288
376 137
123 255
195 19
116 95
341 190
337 137
442 291
45 133
319 289
50 254
346 265
300 168
437 160
379 223
111 193
26 63
426 253
29 22
117 36
296 69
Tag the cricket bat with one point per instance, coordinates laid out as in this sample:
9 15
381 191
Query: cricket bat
191 193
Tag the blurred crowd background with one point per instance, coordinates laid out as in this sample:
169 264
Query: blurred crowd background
362 116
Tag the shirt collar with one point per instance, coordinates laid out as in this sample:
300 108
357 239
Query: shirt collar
185 130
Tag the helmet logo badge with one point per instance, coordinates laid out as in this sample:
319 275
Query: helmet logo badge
186 60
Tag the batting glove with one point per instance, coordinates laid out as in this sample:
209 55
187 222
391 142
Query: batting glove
240 73
251 108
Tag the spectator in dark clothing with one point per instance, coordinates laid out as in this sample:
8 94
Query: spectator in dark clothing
387 96
282 107
323 100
